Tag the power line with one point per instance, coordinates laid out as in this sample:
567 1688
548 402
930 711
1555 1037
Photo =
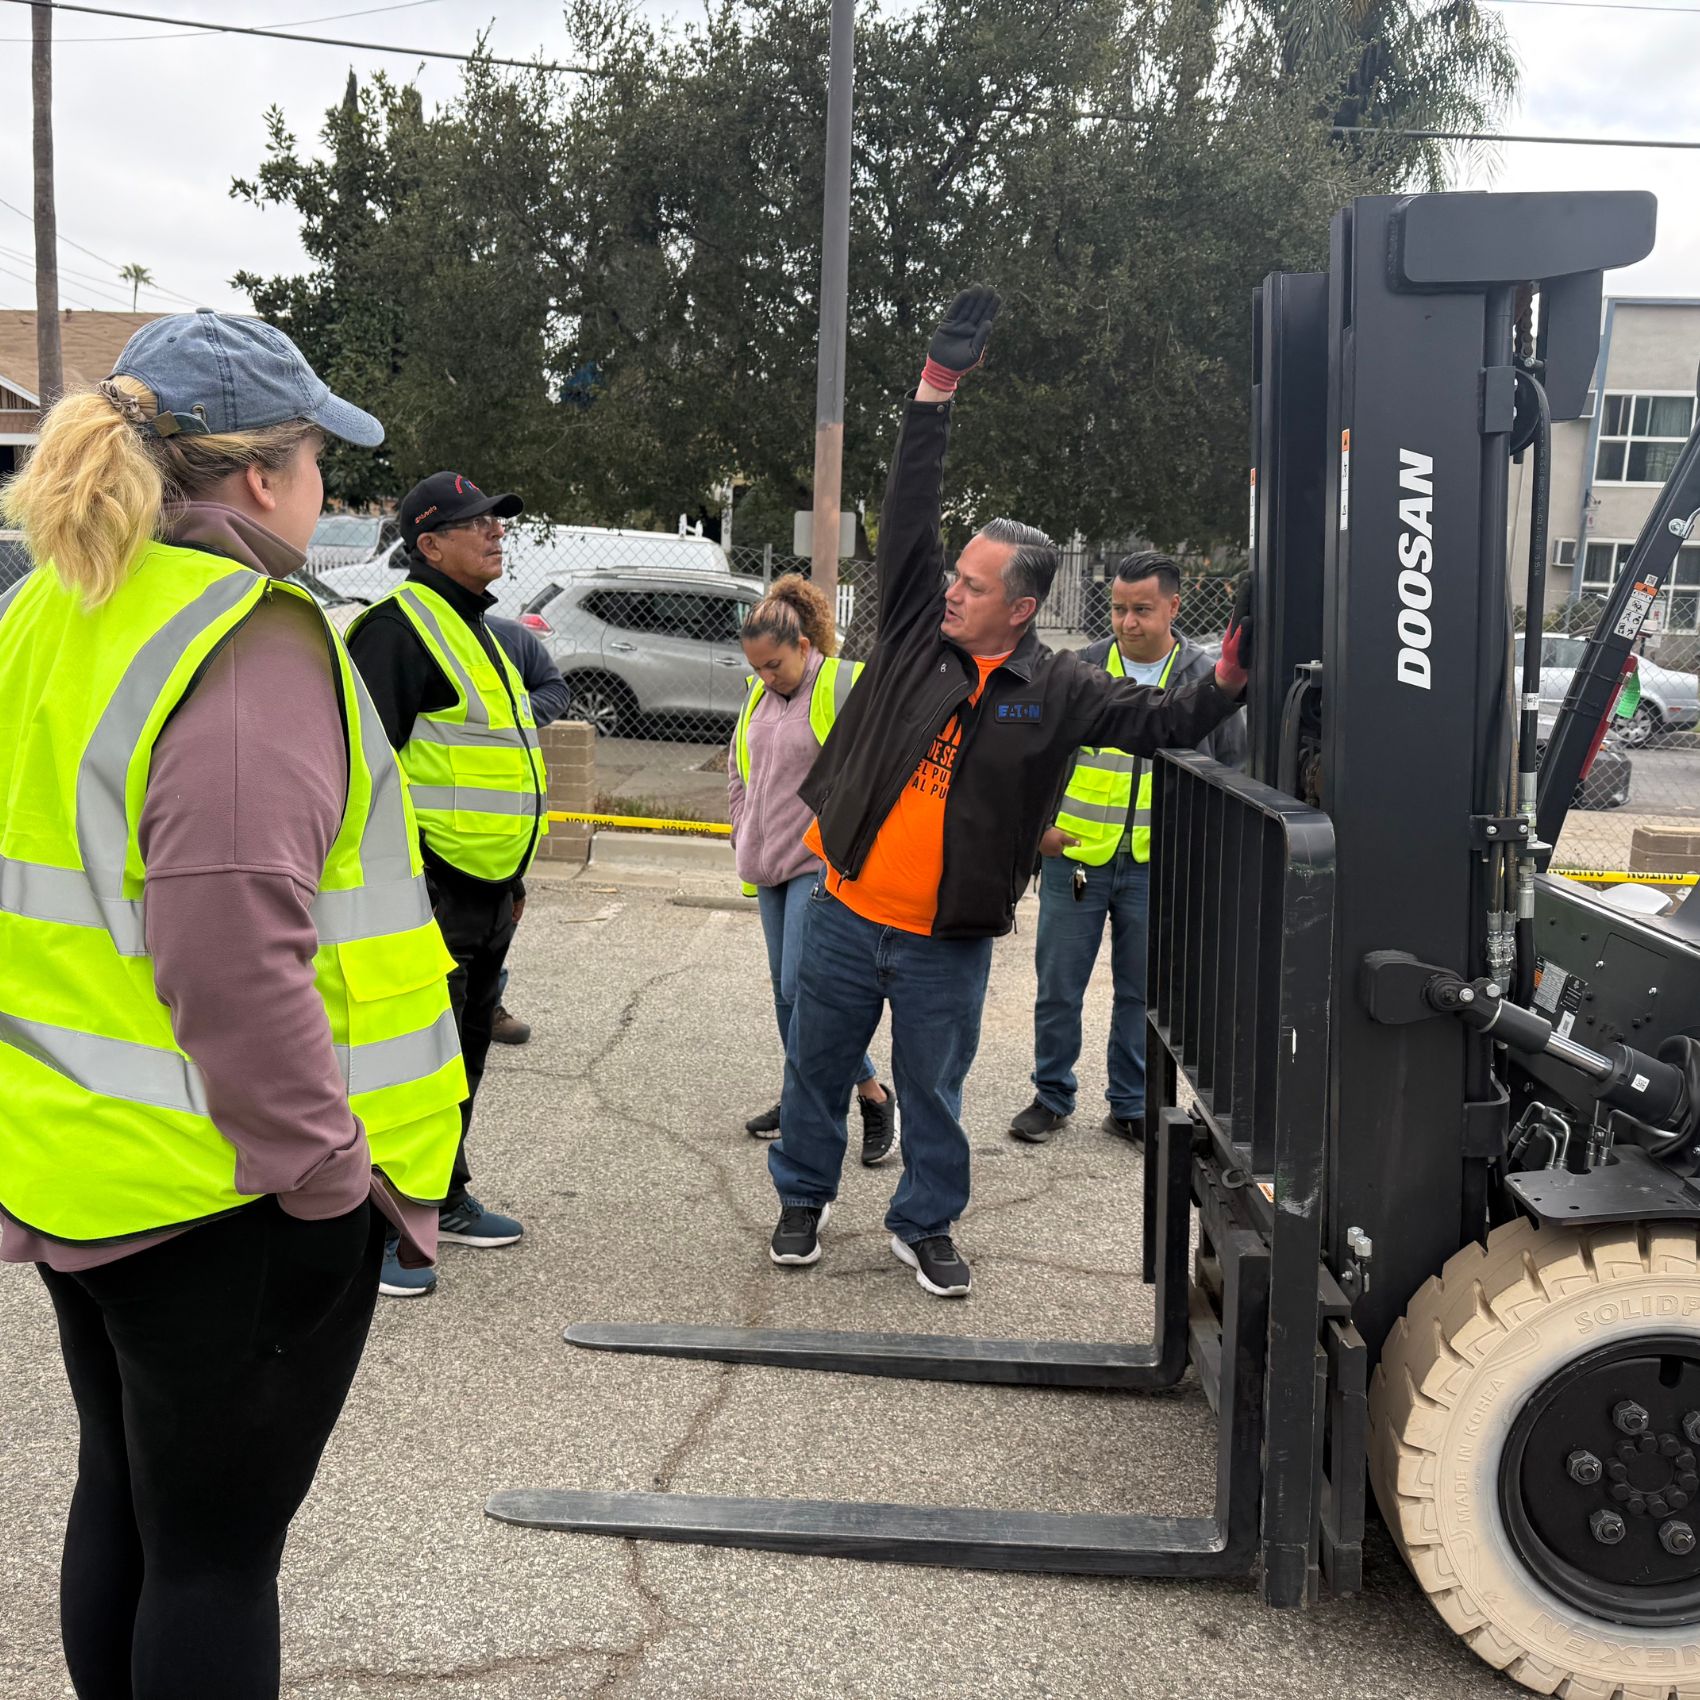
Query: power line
1596 5
317 40
1486 136
75 301
66 241
82 280
181 35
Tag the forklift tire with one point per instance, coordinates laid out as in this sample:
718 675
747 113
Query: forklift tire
1530 1412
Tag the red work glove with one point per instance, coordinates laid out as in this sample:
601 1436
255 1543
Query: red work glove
1234 667
959 343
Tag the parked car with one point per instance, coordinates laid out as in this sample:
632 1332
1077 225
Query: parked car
638 646
533 557
341 540
1670 702
1608 781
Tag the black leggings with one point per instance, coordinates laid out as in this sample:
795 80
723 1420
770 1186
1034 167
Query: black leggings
208 1373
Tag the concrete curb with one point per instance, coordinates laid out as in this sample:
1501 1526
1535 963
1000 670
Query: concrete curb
613 850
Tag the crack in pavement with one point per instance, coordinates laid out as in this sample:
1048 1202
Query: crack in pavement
375 1681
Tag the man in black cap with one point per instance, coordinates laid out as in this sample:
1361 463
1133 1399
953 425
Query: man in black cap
443 687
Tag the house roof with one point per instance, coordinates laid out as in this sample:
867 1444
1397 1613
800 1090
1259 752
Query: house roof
89 345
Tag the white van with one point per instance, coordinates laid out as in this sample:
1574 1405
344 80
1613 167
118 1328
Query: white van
534 557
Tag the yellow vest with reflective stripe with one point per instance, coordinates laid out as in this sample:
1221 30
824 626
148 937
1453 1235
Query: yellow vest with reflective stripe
833 684
104 1130
475 768
1100 790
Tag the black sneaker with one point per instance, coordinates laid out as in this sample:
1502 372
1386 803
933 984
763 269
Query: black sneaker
1036 1123
797 1238
1130 1128
938 1265
879 1128
765 1125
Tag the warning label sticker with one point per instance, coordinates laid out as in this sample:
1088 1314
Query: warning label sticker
1251 533
1635 610
1549 985
1345 477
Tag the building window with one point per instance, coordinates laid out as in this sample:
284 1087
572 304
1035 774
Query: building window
1605 561
1641 436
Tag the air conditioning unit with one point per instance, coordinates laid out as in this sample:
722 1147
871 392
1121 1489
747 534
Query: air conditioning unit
1566 555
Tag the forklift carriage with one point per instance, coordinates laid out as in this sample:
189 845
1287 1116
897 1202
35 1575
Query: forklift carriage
1442 1111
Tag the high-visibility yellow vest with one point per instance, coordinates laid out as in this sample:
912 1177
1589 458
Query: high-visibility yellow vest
477 773
1100 790
833 684
104 1130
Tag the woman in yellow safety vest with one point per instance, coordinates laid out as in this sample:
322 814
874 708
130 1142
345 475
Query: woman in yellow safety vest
225 1032
796 688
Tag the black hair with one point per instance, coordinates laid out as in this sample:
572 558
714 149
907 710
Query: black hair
1029 571
1148 563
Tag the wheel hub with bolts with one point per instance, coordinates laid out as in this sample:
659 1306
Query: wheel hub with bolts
1600 1477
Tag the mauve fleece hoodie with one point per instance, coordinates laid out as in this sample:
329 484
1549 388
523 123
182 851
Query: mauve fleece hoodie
244 799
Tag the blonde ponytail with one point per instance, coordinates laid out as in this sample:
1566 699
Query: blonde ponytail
97 482
90 493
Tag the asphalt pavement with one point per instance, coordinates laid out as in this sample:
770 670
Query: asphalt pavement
616 1134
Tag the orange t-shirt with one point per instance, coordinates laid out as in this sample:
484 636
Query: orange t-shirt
899 884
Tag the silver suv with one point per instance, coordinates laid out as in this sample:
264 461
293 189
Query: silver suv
642 646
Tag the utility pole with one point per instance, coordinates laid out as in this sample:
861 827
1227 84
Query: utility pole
834 291
50 371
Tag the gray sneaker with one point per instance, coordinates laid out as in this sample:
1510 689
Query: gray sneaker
1036 1124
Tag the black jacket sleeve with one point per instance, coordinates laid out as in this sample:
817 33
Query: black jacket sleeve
400 676
551 695
910 559
1136 718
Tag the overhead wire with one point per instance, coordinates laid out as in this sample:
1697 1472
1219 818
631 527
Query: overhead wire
182 35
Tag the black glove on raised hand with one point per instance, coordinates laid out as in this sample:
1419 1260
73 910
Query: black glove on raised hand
959 343
1235 665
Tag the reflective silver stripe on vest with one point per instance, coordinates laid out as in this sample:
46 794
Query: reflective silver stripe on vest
842 685
476 713
447 732
40 893
145 1074
1108 813
110 1068
395 1062
386 843
103 827
1108 761
445 798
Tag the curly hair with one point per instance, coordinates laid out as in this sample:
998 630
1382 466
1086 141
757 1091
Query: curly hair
794 609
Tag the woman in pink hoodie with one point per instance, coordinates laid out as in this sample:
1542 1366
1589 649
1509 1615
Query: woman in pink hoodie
787 637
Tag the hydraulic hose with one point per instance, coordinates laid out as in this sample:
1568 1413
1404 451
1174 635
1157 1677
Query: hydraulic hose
1534 622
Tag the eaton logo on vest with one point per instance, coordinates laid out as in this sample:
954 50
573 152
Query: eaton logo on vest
1416 557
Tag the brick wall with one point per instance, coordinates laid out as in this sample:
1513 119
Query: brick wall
569 750
1664 850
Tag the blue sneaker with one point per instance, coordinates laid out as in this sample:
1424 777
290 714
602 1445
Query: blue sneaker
469 1223
397 1283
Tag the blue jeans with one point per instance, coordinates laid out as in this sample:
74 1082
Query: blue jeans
784 924
936 988
1069 936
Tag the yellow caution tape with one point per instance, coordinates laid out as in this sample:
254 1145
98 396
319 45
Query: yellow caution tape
1601 876
641 823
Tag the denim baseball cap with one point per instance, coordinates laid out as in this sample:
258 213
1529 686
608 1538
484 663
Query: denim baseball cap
211 373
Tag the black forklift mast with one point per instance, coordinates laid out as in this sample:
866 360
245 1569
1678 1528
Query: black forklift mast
1408 613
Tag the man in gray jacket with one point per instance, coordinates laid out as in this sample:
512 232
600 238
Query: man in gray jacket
1097 864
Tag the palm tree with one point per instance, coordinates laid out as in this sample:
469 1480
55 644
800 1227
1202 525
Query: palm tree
1401 64
136 276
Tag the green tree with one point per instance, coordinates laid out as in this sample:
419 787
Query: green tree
603 290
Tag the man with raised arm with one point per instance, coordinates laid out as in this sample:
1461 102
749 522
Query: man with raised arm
930 796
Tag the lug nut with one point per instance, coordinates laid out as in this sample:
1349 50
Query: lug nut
1691 1427
1609 1530
1631 1418
1584 1467
1676 1538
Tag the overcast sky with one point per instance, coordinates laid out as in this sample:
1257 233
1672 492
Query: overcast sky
151 126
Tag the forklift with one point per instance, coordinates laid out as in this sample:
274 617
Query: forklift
1420 1203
